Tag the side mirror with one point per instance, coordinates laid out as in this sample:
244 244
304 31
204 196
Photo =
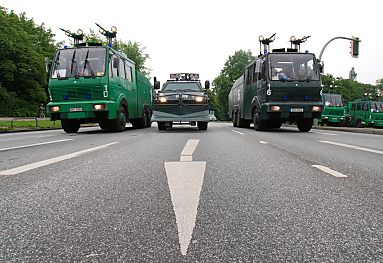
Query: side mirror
321 66
207 84
116 62
157 85
48 65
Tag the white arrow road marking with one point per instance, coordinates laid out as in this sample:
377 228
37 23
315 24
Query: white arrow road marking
35 144
329 171
35 165
353 147
185 180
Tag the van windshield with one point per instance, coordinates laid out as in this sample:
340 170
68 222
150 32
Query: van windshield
79 62
334 100
293 67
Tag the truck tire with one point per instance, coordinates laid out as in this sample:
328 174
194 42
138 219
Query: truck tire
235 119
70 126
118 124
259 125
104 124
304 125
202 125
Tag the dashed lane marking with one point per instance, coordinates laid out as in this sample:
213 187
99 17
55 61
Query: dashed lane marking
353 147
31 145
329 171
238 132
35 165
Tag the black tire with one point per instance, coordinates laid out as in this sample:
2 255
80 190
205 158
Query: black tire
358 123
202 125
234 119
70 126
104 125
118 125
140 123
161 126
149 122
304 125
259 125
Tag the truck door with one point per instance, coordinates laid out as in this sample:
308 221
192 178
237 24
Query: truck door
261 80
131 84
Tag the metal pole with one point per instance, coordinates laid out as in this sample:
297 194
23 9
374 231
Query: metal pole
321 53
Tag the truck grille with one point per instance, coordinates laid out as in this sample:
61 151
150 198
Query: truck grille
76 93
304 95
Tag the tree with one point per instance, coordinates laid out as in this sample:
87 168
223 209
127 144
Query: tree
232 70
23 48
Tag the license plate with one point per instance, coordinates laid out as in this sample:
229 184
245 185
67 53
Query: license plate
75 109
296 109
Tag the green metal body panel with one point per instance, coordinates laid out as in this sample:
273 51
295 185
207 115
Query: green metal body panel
251 92
332 115
364 113
76 95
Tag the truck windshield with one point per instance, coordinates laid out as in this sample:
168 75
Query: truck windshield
377 106
79 62
334 100
181 87
293 67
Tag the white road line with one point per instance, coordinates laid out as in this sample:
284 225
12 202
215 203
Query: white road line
329 171
263 142
353 147
238 132
35 165
35 144
325 133
190 147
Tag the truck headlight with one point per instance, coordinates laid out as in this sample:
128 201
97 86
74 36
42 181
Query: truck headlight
162 99
275 108
316 108
99 106
55 109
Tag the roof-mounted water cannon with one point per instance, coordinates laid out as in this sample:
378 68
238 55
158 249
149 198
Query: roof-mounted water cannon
266 43
297 42
77 37
109 34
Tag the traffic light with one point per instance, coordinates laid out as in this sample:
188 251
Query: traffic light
355 47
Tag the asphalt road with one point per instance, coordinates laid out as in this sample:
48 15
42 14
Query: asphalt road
182 195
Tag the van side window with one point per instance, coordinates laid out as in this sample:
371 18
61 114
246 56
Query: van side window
113 62
257 69
122 69
250 72
365 106
128 71
353 106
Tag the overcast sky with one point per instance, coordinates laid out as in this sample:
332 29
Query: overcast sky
198 36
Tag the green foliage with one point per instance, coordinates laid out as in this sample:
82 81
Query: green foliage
23 48
136 52
350 89
234 67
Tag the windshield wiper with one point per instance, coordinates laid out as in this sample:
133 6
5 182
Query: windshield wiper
71 65
90 66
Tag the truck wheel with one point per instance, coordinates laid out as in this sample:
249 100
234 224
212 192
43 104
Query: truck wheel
149 122
104 125
259 125
235 119
161 126
304 125
202 125
118 125
141 122
358 123
70 126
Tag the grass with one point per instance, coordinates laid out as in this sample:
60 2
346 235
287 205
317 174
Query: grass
28 124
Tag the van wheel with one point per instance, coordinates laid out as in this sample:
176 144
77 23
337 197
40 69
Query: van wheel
161 126
202 125
70 126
